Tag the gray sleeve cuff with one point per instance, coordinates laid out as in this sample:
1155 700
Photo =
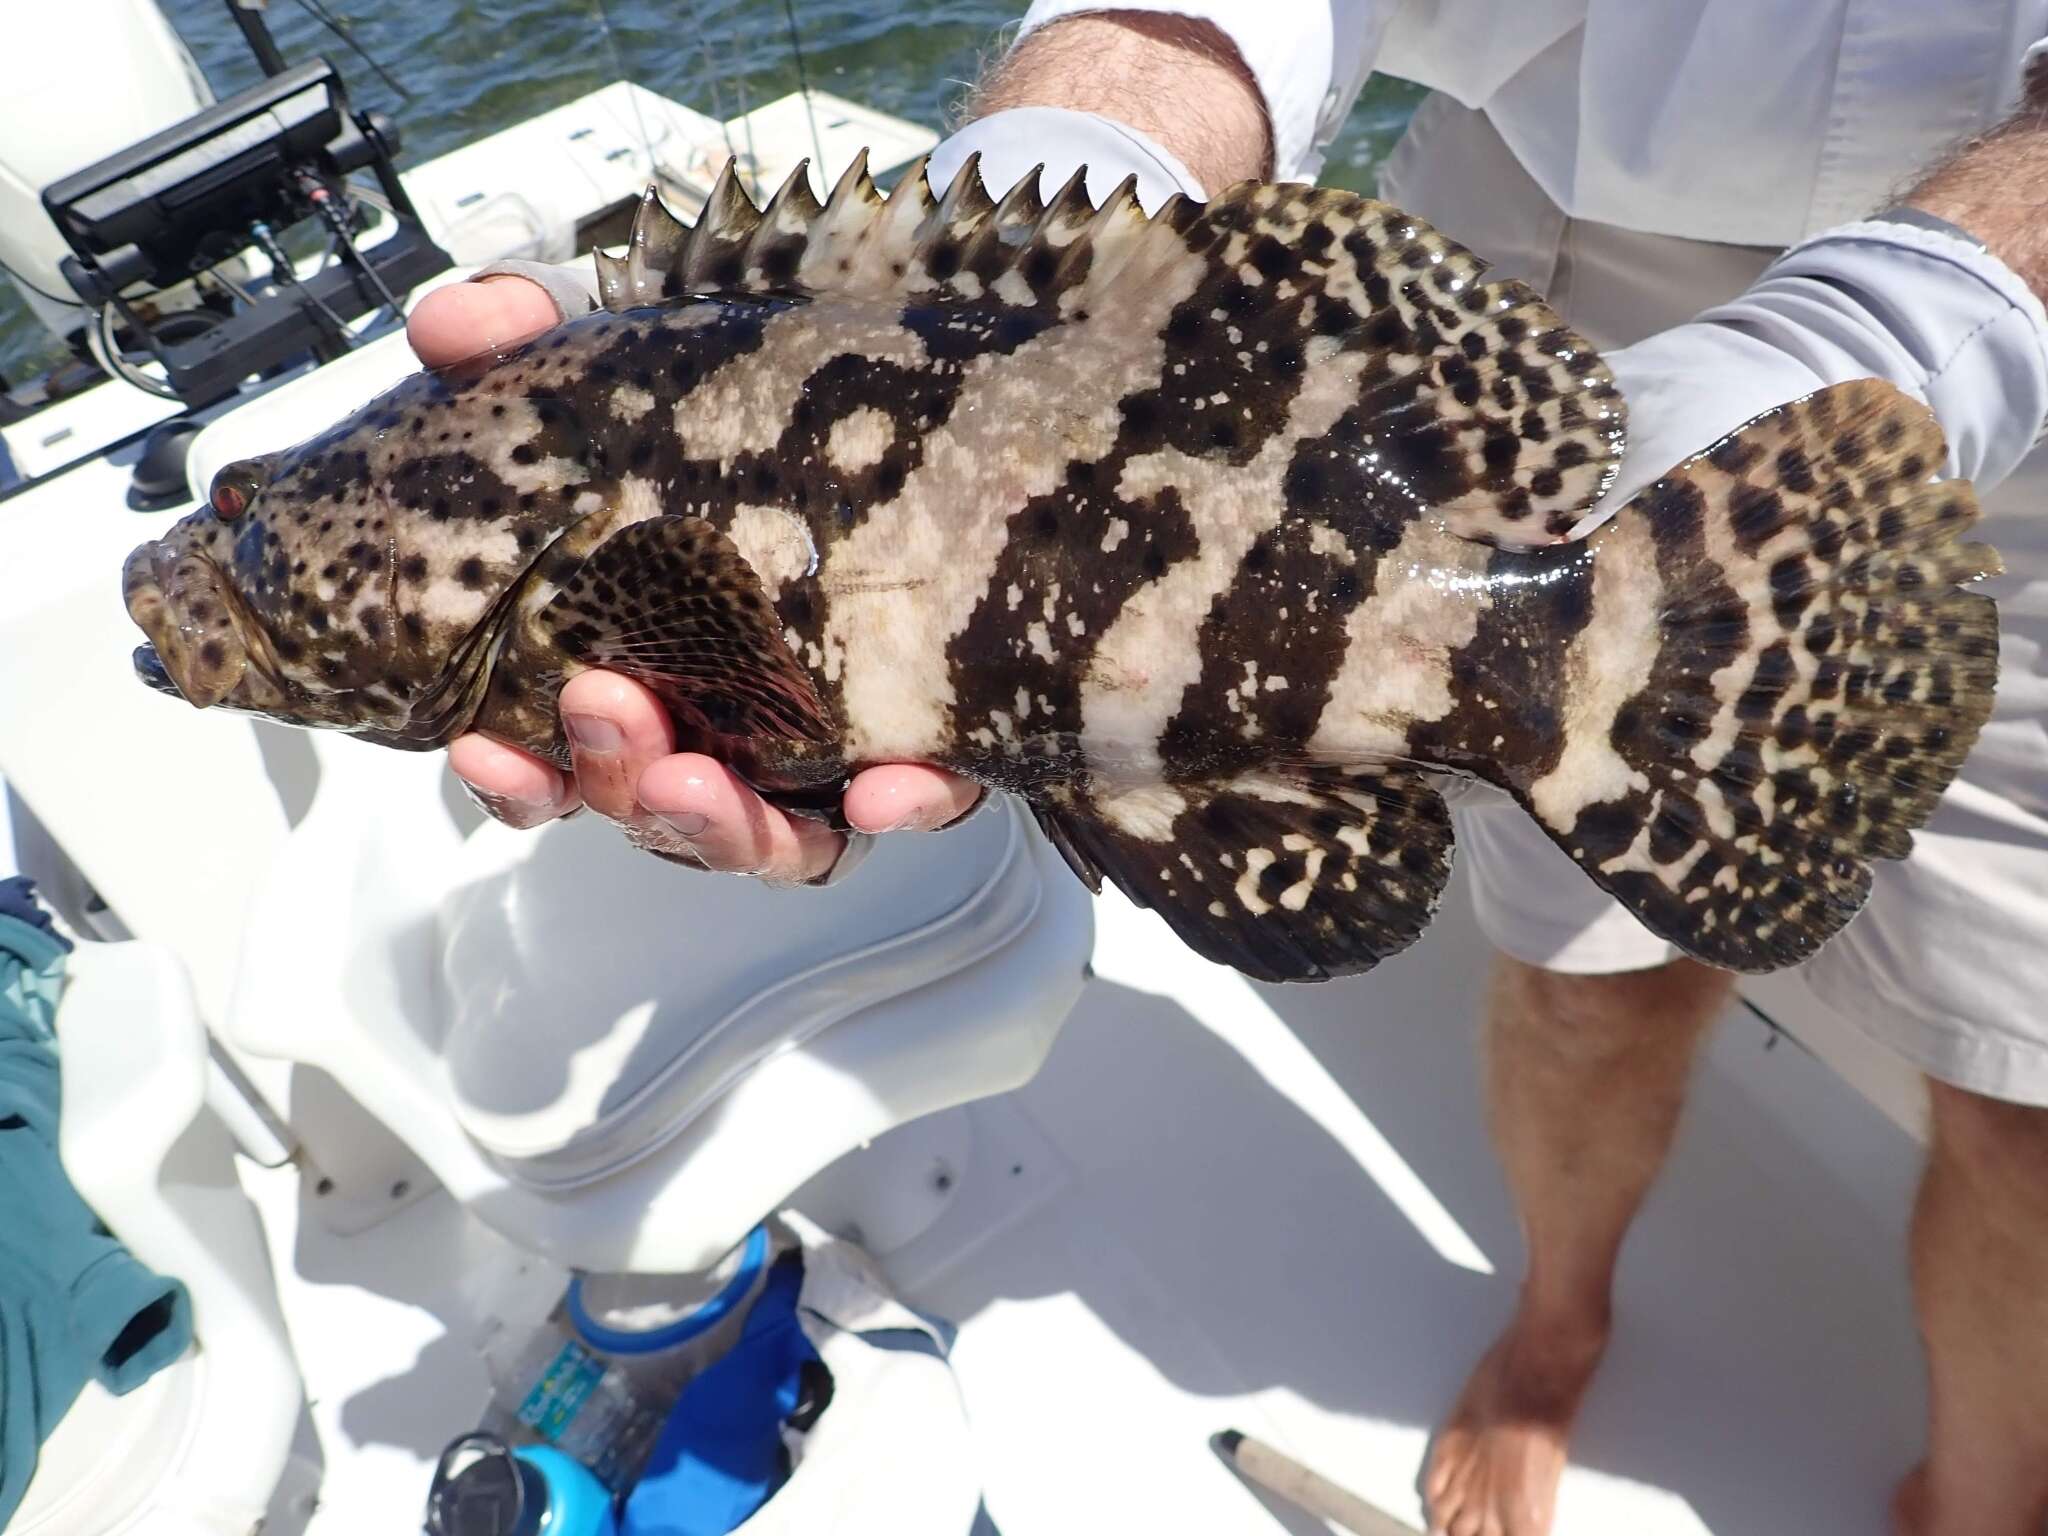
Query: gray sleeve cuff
572 285
1930 311
1062 140
1933 312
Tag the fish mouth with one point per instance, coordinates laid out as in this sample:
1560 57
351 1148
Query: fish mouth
183 603
150 668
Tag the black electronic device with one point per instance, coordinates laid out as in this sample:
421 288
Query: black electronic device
234 176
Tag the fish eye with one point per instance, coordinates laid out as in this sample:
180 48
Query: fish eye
233 489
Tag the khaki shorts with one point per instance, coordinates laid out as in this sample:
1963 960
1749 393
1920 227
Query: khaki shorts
1948 962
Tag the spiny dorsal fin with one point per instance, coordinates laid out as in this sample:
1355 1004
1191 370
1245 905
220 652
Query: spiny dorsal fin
839 234
649 271
715 256
1021 206
1068 213
990 250
611 279
1522 427
777 246
1117 234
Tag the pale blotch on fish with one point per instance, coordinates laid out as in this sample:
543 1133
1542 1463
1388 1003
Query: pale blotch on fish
1222 537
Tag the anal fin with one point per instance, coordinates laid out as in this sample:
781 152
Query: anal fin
1285 874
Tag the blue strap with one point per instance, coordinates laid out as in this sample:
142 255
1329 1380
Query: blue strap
720 1455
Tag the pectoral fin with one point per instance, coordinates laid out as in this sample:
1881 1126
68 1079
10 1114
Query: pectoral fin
672 603
1285 875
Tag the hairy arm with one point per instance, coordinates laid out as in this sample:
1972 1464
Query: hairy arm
1178 81
1995 186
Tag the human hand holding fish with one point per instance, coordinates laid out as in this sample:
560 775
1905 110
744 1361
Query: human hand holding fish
625 766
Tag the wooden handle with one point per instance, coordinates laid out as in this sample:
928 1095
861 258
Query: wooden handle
1310 1490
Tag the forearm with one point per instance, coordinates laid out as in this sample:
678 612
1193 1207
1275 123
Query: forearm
1180 82
1995 187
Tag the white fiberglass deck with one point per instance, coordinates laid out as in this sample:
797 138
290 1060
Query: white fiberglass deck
1274 1208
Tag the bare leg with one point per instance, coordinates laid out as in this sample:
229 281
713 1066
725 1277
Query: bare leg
1585 1076
1980 1278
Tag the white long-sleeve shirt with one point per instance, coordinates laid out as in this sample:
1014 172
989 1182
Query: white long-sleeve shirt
1707 109
1938 316
1752 122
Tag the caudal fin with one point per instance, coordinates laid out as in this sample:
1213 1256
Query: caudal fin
1794 696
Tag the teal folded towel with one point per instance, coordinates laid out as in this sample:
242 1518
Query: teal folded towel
75 1306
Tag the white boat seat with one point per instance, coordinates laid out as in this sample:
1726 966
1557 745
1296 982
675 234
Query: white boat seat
624 1064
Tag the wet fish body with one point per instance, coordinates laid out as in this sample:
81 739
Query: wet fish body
1217 536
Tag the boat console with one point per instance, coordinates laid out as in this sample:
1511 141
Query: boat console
243 172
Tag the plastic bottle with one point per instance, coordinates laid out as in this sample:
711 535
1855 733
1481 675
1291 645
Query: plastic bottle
483 1487
549 1387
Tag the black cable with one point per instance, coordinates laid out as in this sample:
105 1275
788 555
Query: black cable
803 83
320 14
72 302
282 274
711 75
329 208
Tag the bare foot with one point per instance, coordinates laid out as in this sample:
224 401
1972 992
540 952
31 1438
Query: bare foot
1496 1464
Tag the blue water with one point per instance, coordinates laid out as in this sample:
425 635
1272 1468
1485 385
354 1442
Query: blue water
474 66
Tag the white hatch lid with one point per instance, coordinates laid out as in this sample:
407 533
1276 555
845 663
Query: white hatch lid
598 999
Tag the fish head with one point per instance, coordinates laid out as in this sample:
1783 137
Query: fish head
351 583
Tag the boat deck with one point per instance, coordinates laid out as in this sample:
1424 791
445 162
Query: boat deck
1227 1205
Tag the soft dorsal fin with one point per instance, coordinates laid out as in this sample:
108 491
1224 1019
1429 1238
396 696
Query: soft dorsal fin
1500 421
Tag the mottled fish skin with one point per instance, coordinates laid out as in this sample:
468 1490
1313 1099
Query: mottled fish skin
1212 534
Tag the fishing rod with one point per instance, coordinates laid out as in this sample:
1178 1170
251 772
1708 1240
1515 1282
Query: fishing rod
248 18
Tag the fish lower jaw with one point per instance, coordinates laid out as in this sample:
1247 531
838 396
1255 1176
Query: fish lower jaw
202 640
150 669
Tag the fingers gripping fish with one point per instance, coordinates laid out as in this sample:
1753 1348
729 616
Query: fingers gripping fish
1218 536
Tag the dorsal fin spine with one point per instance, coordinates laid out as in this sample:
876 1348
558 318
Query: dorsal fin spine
1068 212
1021 205
728 221
611 280
854 186
794 199
653 250
966 201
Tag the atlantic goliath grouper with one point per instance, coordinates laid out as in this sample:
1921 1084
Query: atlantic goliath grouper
1218 536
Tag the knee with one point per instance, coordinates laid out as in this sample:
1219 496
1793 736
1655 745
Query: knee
1991 1141
1607 1014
